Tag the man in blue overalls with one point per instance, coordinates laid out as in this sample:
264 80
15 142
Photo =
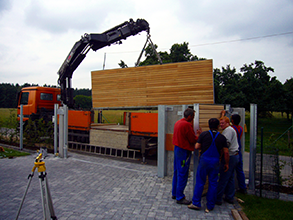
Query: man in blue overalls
212 145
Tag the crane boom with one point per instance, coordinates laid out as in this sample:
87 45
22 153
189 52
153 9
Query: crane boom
94 42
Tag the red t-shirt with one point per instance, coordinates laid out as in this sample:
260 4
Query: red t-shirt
240 130
184 135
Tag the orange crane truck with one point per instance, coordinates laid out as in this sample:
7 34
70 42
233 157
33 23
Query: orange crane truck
38 102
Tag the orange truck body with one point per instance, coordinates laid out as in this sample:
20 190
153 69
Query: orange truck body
143 130
79 120
38 102
144 124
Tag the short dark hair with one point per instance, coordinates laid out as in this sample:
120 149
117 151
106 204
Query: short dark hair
236 119
188 111
214 123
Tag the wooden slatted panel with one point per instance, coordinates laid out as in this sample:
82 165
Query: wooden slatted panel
167 84
208 111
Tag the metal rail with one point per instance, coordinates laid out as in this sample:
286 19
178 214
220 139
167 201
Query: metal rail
106 151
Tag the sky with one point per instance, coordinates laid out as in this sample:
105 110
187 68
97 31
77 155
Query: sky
36 35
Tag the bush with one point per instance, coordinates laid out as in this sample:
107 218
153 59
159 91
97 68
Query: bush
38 132
9 132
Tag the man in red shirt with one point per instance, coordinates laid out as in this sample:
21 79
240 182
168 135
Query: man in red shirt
184 140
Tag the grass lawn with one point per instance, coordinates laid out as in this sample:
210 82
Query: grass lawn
10 153
266 209
6 112
273 128
116 116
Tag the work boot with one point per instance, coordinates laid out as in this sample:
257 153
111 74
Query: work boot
183 201
207 210
191 206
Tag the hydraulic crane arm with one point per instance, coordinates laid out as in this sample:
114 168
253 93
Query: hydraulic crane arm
94 42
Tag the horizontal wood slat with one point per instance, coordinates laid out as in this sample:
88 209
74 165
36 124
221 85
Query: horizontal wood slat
206 112
167 84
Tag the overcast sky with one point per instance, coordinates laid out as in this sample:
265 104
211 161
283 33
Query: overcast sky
37 35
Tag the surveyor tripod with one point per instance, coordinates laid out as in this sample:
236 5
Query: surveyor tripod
48 210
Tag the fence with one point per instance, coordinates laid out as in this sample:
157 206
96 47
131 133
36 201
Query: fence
274 173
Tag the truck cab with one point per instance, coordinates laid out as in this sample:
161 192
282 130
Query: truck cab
38 102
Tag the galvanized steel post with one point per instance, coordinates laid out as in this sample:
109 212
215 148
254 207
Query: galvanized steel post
55 128
65 130
252 153
162 167
21 128
61 132
195 154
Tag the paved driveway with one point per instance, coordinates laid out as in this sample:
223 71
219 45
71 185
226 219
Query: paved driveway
90 187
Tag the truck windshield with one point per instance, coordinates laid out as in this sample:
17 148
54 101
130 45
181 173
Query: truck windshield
24 98
47 96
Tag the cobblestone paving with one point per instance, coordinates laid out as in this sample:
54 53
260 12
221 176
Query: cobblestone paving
89 187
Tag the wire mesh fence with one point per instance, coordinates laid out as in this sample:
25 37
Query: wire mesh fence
274 172
267 175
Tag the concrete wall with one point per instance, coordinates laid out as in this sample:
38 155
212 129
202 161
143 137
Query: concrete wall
109 138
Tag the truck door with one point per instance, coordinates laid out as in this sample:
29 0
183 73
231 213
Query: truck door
27 107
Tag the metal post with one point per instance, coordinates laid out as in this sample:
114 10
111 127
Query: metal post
61 132
143 145
228 110
242 123
55 128
162 168
196 153
104 63
184 107
261 161
65 130
252 154
21 128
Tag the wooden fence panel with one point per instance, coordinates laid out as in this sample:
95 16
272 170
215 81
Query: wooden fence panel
206 112
167 84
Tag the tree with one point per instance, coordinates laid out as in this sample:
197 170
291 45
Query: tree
275 96
178 53
8 95
181 53
228 87
256 84
83 102
151 57
85 92
288 91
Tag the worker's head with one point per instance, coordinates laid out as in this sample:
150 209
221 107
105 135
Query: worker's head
214 123
235 119
189 114
224 122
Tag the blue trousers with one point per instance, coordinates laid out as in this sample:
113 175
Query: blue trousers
180 175
226 183
239 172
207 167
